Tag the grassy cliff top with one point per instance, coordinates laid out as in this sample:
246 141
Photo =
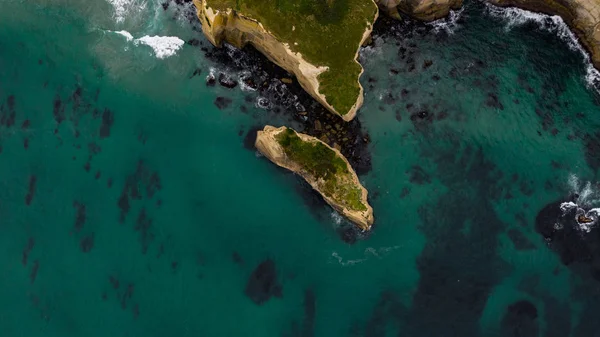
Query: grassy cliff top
327 33
323 163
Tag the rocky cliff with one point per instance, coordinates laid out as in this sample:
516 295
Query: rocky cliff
339 187
238 29
582 16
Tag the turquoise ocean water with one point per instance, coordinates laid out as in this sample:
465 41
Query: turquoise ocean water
131 204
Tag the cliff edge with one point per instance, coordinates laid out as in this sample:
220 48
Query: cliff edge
317 41
323 167
582 16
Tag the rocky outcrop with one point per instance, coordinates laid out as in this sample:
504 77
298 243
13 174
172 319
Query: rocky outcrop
269 145
238 30
425 10
582 16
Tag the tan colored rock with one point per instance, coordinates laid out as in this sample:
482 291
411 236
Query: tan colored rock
582 16
267 144
426 10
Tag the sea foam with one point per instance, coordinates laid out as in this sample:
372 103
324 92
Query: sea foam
586 196
123 8
551 23
126 34
448 24
163 46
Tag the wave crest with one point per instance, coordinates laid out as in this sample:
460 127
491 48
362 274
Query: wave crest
552 23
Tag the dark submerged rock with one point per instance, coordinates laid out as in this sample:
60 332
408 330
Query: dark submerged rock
108 119
566 240
226 81
310 309
34 271
143 226
417 175
389 310
30 190
87 243
222 102
27 251
263 283
520 320
80 216
493 101
211 80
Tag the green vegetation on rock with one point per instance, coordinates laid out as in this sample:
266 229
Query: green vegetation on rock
323 163
326 33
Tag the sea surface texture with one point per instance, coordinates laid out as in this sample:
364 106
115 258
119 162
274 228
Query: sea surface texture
133 202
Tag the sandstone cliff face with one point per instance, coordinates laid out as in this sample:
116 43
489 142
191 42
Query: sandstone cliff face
268 145
238 30
583 16
426 10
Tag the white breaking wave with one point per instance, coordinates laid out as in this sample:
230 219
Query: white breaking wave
242 77
448 24
163 46
126 34
336 217
585 195
588 195
552 23
123 8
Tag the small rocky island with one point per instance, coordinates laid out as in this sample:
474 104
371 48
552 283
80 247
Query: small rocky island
323 167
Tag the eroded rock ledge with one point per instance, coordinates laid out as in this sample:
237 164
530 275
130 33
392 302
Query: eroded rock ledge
582 16
323 167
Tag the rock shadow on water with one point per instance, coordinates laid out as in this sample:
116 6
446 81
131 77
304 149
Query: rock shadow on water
250 137
263 283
